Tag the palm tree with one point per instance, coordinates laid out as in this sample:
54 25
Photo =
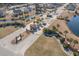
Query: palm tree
75 42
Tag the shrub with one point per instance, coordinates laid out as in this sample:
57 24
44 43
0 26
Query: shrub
66 46
16 24
54 28
62 40
75 53
45 30
60 32
58 25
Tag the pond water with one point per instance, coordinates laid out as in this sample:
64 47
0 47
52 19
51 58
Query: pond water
73 25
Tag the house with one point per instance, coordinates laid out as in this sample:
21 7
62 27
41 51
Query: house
40 8
24 9
29 8
14 7
52 5
71 7
17 12
2 13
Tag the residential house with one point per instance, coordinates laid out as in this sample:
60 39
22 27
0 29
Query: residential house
40 8
2 13
17 12
71 7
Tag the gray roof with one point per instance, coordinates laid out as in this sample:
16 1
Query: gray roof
17 11
24 9
71 7
1 13
53 5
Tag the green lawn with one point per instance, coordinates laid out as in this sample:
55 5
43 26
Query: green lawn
2 18
1 29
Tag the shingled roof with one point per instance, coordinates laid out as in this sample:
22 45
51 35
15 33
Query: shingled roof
71 7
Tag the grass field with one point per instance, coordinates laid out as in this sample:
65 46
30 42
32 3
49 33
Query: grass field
1 29
2 18
6 31
45 46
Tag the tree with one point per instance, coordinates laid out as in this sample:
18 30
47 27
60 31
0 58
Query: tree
62 40
75 42
66 18
70 40
66 46
58 25
65 33
75 53
45 30
76 12
54 28
60 32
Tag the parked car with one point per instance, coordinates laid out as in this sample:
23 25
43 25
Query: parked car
49 15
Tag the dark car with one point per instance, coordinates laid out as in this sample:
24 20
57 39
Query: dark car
49 15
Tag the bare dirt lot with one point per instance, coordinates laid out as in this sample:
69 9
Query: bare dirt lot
45 46
7 30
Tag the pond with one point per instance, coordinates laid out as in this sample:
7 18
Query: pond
73 25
